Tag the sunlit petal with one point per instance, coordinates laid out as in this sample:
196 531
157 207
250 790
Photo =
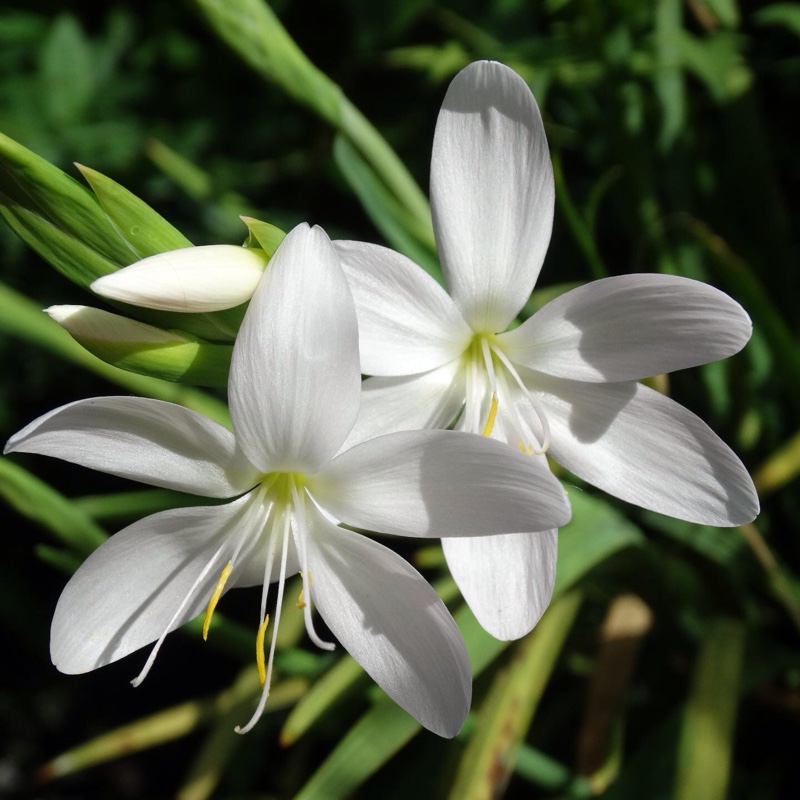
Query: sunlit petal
492 193
125 594
440 483
295 380
392 622
146 440
630 327
642 447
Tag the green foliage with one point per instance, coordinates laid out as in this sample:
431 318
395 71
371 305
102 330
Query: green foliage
673 151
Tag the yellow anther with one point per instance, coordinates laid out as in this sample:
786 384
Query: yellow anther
489 426
262 669
215 596
300 602
527 450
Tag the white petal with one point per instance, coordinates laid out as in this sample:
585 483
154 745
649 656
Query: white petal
393 623
125 594
207 278
630 327
407 323
295 381
507 580
642 447
146 440
440 483
492 193
409 403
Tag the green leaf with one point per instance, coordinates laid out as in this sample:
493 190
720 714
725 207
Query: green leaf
398 226
506 712
721 545
668 79
145 230
334 686
40 188
71 257
370 743
726 11
172 723
706 744
67 71
136 504
784 14
597 531
22 318
251 29
39 502
219 747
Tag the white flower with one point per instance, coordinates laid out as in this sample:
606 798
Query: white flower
294 395
563 382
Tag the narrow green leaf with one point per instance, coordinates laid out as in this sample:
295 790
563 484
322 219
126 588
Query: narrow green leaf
135 504
399 227
252 30
171 724
220 745
784 14
22 318
596 532
39 502
506 713
71 257
328 690
779 468
540 769
668 79
144 229
726 11
67 71
739 277
578 226
706 742
39 187
718 544
64 561
370 743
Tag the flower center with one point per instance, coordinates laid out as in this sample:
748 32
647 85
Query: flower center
267 526
489 392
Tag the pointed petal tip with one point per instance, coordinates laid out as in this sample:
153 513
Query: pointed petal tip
61 314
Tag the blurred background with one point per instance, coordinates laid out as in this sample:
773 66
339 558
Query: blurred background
670 666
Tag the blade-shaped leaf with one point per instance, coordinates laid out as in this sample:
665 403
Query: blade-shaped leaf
505 715
706 744
145 230
33 184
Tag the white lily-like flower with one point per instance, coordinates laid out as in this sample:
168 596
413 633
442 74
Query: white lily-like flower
564 382
294 396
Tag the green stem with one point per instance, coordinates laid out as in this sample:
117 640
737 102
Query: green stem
251 28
